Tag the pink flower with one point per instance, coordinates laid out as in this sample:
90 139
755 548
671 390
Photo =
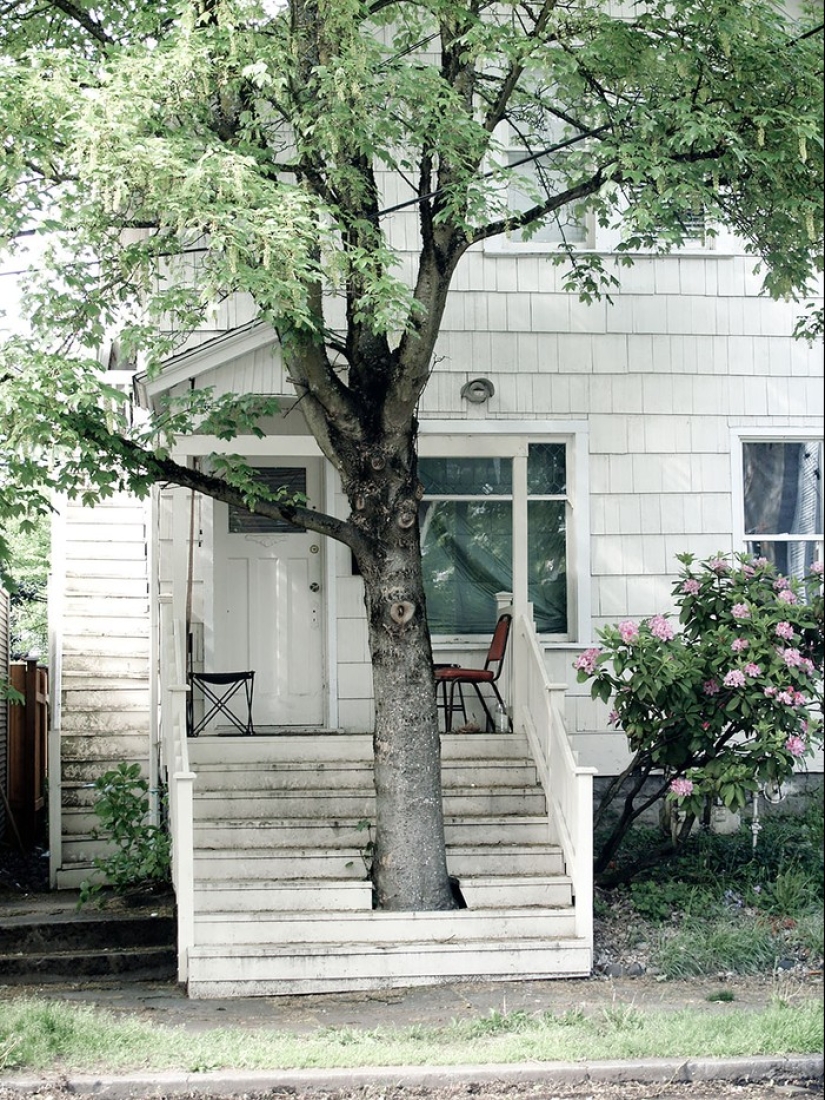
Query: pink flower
791 657
808 666
781 582
660 628
739 644
769 692
816 569
753 670
795 746
586 662
786 596
681 787
691 587
613 718
710 687
740 611
799 699
748 570
785 697
784 630
718 565
735 678
761 562
629 631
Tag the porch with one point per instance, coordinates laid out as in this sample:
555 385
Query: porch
271 850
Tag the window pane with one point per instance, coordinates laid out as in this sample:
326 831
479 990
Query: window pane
782 488
547 566
546 474
793 559
540 179
465 477
467 558
290 478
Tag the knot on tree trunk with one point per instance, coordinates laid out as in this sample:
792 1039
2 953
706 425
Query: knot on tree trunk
401 611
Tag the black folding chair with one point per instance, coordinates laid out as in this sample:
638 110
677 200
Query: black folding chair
219 689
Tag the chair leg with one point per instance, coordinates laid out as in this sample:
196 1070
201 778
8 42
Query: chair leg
490 721
452 705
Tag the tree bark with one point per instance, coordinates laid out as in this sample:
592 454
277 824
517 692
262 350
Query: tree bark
410 865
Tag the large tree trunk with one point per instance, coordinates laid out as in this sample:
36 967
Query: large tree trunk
410 866
410 863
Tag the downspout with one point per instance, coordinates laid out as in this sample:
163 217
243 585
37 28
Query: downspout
56 609
155 748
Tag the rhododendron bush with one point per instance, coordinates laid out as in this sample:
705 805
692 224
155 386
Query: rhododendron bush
717 702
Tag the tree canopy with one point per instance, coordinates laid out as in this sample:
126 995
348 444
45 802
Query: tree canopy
173 154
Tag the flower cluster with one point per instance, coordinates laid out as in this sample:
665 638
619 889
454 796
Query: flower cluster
729 697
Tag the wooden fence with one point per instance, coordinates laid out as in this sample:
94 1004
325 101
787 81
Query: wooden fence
27 753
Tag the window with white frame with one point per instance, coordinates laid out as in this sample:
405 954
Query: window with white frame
782 501
468 515
532 182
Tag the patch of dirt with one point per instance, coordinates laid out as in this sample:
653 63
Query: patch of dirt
787 1088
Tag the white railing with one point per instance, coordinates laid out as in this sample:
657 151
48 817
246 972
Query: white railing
539 713
180 777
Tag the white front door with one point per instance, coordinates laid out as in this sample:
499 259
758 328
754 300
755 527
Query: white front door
267 601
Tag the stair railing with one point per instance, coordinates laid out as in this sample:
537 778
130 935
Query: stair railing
180 777
568 786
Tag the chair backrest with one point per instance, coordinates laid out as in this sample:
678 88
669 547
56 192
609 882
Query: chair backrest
498 645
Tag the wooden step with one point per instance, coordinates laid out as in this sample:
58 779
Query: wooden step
263 927
262 970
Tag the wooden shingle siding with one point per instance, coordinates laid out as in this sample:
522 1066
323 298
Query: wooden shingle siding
104 658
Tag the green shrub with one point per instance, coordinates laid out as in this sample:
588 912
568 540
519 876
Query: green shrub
141 852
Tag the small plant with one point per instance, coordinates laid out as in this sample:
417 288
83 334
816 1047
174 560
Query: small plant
723 995
141 856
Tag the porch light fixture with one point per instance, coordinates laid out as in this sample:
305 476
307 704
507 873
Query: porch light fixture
478 390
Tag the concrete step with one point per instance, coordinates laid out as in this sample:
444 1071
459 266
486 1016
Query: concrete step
500 891
263 970
326 746
264 927
320 863
43 939
276 833
333 806
267 896
353 775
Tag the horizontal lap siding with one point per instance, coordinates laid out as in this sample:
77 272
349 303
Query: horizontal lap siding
104 691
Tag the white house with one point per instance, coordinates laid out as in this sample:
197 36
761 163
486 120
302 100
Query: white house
592 444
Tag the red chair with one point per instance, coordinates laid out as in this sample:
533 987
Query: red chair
450 677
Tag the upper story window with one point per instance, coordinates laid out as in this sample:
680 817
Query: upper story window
530 183
782 502
469 515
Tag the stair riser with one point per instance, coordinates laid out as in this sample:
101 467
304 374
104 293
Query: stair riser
256 928
262 749
155 964
320 865
248 780
314 897
81 934
273 834
253 864
517 893
279 974
333 808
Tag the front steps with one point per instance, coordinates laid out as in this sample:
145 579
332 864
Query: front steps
283 904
